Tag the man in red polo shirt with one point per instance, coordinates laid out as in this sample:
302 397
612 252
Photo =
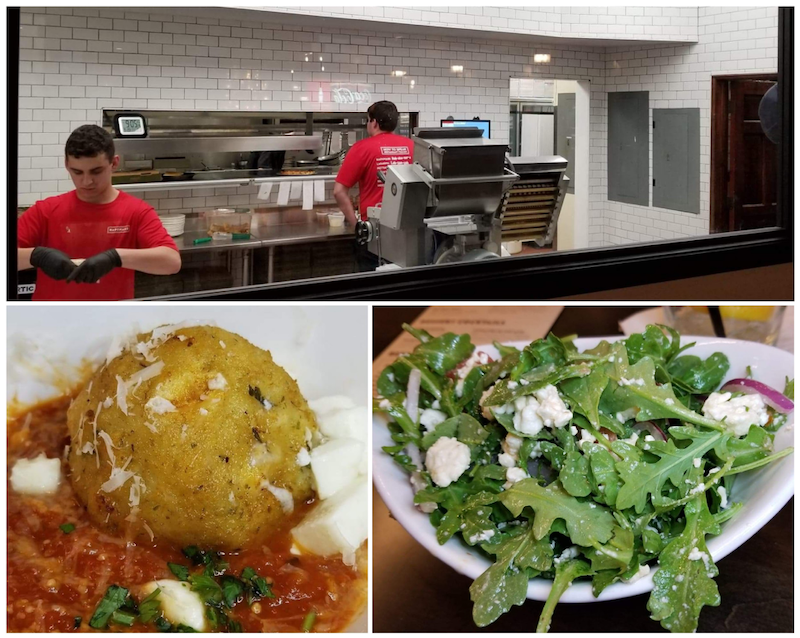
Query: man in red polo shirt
367 157
87 243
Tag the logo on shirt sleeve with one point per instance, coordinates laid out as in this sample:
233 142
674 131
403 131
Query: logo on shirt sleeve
118 230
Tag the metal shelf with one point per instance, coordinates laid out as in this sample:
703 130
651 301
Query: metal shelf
219 183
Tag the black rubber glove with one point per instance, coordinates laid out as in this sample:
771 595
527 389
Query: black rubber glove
96 267
52 262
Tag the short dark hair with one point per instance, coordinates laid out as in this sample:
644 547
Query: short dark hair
89 140
385 114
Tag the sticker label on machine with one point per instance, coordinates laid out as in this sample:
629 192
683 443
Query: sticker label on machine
392 155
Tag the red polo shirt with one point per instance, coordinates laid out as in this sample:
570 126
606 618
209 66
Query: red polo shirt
366 158
82 230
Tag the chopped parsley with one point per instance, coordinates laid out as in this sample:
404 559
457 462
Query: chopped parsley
114 599
77 623
181 572
67 528
309 620
255 392
149 608
123 618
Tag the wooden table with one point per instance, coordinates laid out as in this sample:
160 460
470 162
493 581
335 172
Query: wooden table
415 592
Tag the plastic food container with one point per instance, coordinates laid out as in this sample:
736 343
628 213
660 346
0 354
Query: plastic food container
229 221
336 220
322 218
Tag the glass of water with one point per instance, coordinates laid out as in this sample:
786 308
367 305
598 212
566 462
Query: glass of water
750 323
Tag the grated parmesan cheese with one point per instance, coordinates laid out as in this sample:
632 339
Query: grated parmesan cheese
218 382
159 405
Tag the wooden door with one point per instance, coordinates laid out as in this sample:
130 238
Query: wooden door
744 166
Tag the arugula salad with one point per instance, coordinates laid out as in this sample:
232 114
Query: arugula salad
565 465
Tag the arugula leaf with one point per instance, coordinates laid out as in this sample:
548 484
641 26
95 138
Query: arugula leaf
604 477
462 427
636 387
505 583
654 344
641 478
700 376
504 350
753 447
566 572
574 474
113 599
387 383
180 571
418 333
443 353
586 525
616 554
788 390
684 581
584 394
530 382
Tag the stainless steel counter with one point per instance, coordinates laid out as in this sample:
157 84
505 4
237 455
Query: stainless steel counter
269 230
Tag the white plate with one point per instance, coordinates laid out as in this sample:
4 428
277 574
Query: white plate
763 492
323 347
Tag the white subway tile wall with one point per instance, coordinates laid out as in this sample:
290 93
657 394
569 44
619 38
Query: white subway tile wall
77 62
674 24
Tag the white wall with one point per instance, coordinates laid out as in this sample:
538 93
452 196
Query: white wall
732 41
677 24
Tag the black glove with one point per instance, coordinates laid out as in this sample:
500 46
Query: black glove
96 267
52 262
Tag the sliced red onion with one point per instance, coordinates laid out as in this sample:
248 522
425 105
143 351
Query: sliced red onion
412 394
773 398
652 429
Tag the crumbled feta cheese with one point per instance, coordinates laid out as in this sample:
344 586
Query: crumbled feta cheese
586 436
643 571
485 535
512 385
723 497
713 470
506 460
696 462
524 382
567 554
696 554
477 359
446 460
737 413
159 405
697 489
526 417
631 440
553 410
303 457
649 438
514 475
625 382
627 415
573 430
436 405
39 475
679 578
384 404
430 418
218 382
669 401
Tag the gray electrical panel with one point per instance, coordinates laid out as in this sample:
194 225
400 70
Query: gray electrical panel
676 159
629 147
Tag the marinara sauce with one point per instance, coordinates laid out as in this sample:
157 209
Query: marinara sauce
56 579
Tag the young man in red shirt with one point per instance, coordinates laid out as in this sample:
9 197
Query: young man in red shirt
108 232
367 157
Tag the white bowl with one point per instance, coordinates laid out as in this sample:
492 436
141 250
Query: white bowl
763 492
323 347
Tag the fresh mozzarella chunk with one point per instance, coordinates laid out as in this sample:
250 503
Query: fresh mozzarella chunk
431 418
347 423
181 606
337 525
331 404
552 409
335 464
36 476
737 414
446 460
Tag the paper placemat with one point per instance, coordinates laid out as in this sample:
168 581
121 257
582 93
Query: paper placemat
483 324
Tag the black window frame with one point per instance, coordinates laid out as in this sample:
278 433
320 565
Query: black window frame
542 276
